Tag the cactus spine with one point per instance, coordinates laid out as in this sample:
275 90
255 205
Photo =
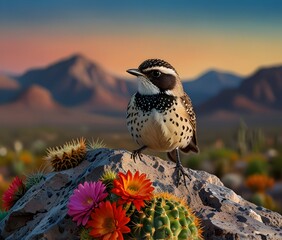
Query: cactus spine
70 155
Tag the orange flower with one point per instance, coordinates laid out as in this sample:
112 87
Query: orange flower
108 222
26 157
133 189
259 182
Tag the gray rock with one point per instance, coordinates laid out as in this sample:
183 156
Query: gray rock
42 213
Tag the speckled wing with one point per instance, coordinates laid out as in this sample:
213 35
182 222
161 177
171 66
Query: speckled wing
187 103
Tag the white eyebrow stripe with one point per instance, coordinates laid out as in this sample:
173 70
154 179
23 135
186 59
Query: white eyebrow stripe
162 69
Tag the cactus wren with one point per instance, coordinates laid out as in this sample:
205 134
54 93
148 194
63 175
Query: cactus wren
160 115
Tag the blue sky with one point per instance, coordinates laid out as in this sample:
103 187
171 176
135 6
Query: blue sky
252 27
151 13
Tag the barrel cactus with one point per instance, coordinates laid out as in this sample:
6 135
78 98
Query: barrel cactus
84 234
70 155
3 214
165 217
108 178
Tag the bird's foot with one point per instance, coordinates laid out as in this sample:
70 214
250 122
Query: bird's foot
137 153
181 172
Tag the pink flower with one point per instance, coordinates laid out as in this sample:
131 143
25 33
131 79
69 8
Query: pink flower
84 199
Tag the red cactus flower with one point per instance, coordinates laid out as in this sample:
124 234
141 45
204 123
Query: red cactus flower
15 191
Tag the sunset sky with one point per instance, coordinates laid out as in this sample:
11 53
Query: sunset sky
194 36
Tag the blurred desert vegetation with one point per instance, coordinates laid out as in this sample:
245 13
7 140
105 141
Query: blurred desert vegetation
247 160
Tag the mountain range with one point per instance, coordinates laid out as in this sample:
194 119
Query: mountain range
77 89
260 93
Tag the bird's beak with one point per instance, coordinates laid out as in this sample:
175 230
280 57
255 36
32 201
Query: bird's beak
135 72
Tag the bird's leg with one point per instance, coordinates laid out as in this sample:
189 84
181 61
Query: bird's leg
180 171
137 152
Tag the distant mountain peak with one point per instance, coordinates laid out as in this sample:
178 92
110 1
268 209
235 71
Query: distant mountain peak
268 69
73 60
258 93
76 80
211 72
8 83
37 97
77 58
209 84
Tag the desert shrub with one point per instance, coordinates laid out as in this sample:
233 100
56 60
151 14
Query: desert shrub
276 167
223 153
255 157
193 161
256 167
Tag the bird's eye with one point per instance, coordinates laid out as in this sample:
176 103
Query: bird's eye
156 73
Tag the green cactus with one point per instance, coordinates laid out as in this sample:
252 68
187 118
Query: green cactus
3 214
108 178
84 234
242 137
263 199
34 179
165 217
95 144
